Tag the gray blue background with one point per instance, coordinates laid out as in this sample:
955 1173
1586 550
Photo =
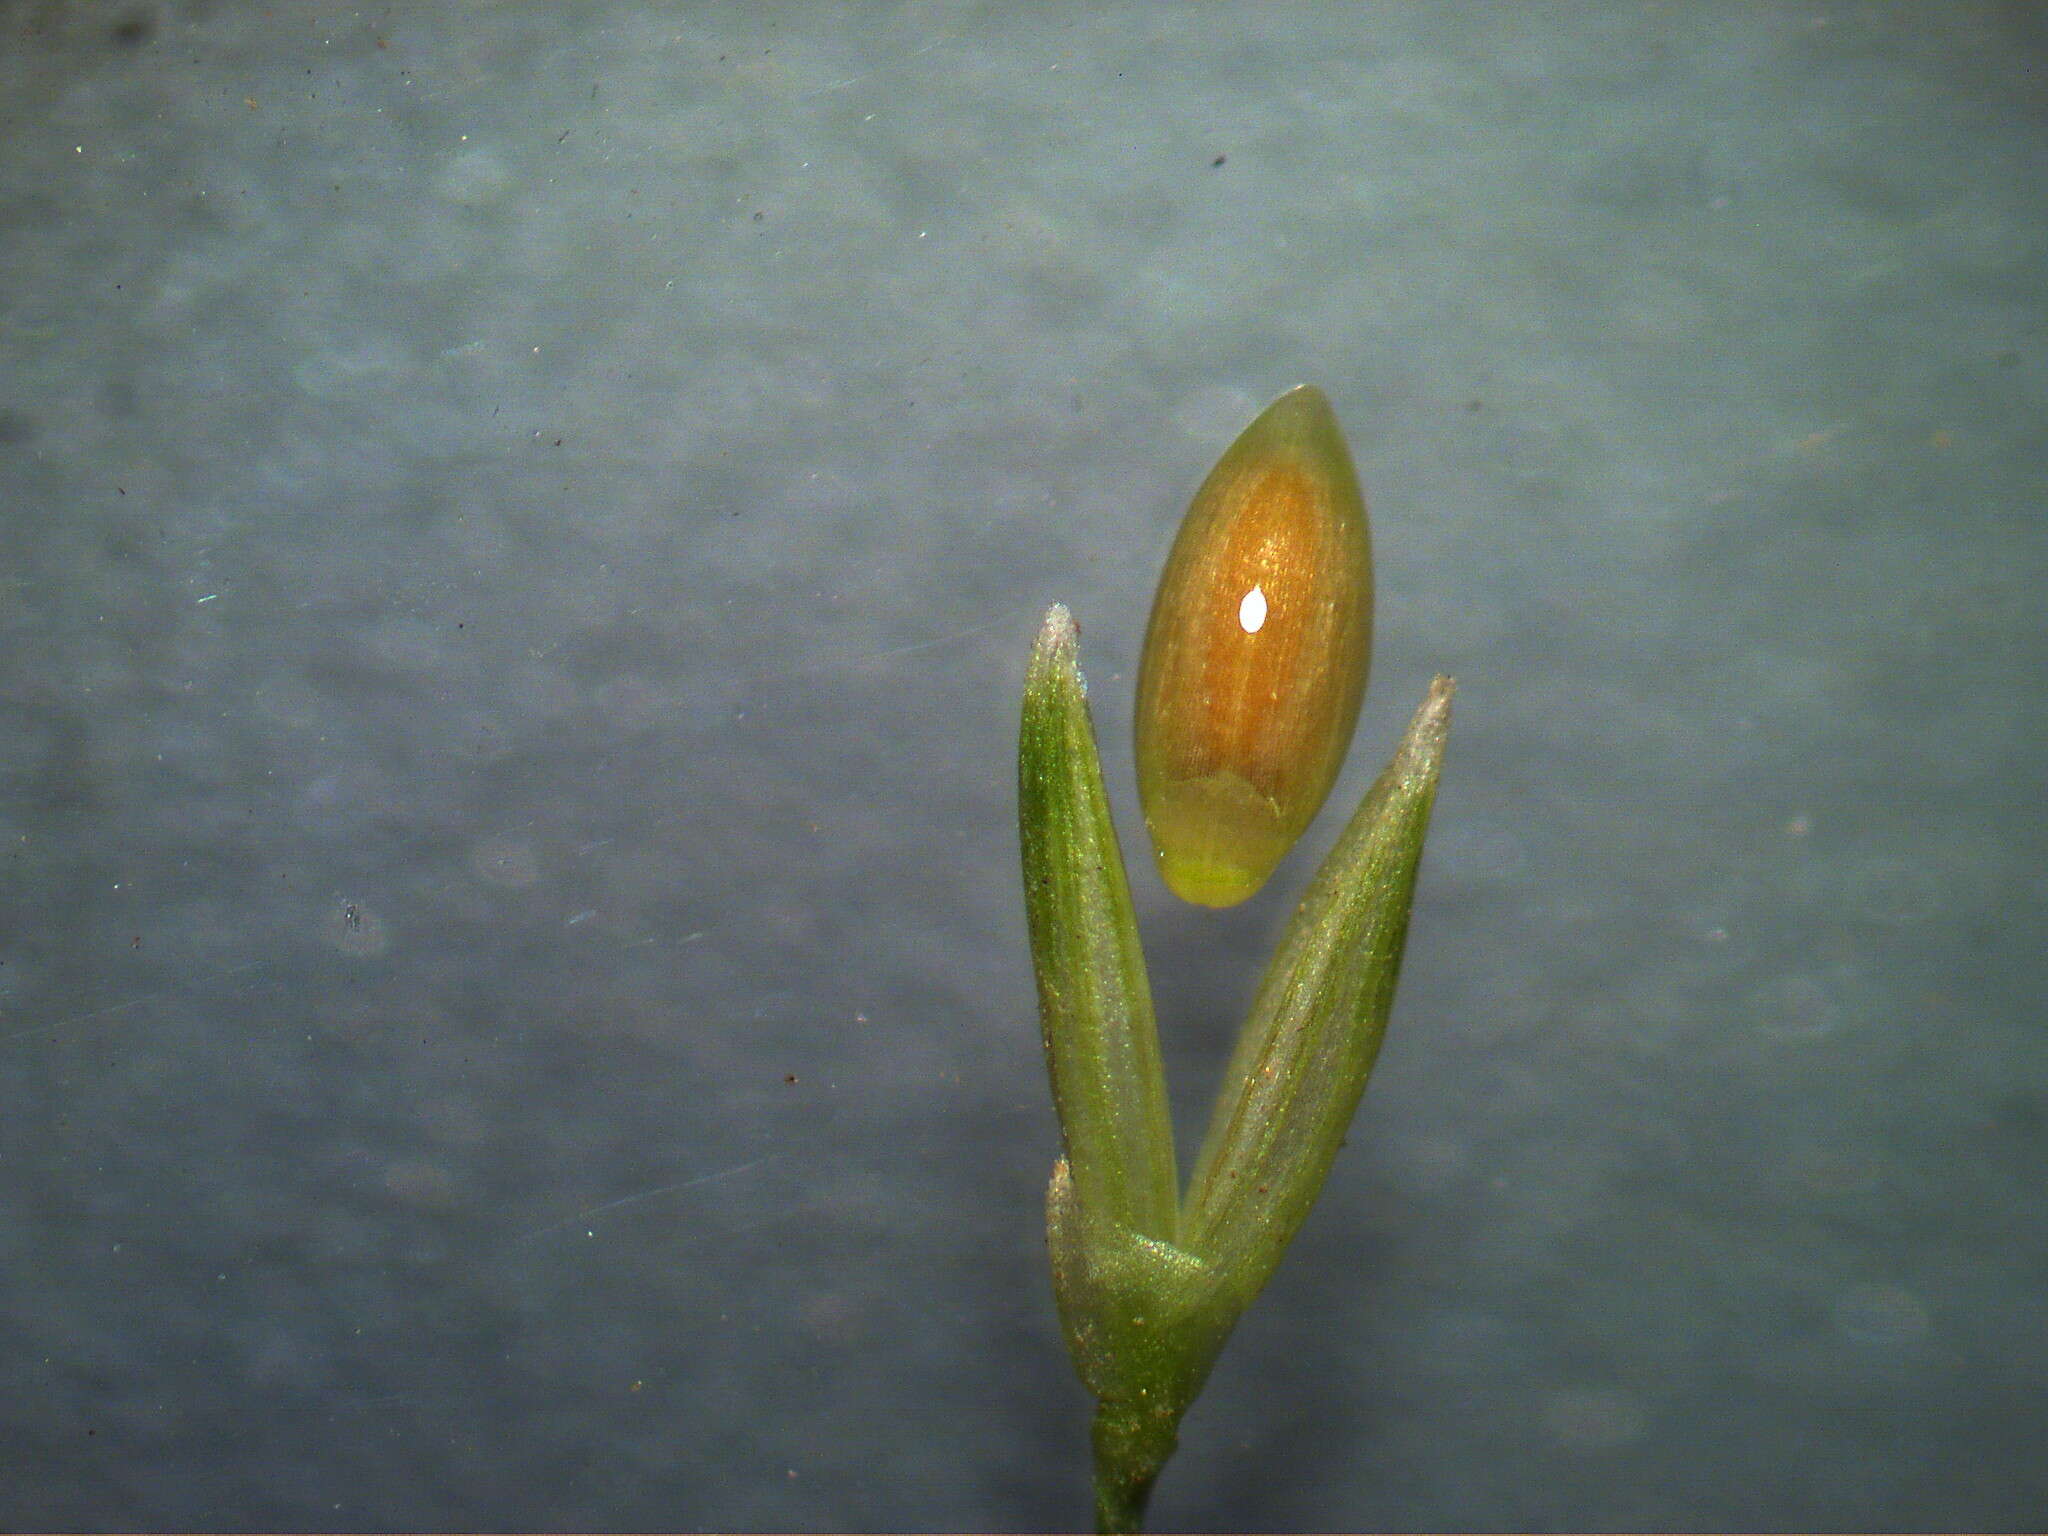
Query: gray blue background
520 529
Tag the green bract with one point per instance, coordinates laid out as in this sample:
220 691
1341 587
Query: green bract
1094 1003
1149 1287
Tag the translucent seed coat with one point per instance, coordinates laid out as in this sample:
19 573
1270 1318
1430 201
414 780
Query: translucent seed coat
1256 656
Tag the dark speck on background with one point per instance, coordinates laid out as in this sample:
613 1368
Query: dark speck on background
133 29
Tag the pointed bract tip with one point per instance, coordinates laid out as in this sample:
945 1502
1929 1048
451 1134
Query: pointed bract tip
1058 646
1059 627
1422 746
1436 708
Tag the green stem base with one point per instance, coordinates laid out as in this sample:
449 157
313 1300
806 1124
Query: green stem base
1132 1443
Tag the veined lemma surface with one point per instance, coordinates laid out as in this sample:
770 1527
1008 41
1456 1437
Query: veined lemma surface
1256 655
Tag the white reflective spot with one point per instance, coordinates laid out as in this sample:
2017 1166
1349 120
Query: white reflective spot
1251 613
354 929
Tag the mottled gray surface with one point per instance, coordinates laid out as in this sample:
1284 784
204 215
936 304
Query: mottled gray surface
519 532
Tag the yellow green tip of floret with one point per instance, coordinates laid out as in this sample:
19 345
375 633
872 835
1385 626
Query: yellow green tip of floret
1206 882
1216 837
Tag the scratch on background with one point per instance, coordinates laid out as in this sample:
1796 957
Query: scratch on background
72 1021
656 1193
924 645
